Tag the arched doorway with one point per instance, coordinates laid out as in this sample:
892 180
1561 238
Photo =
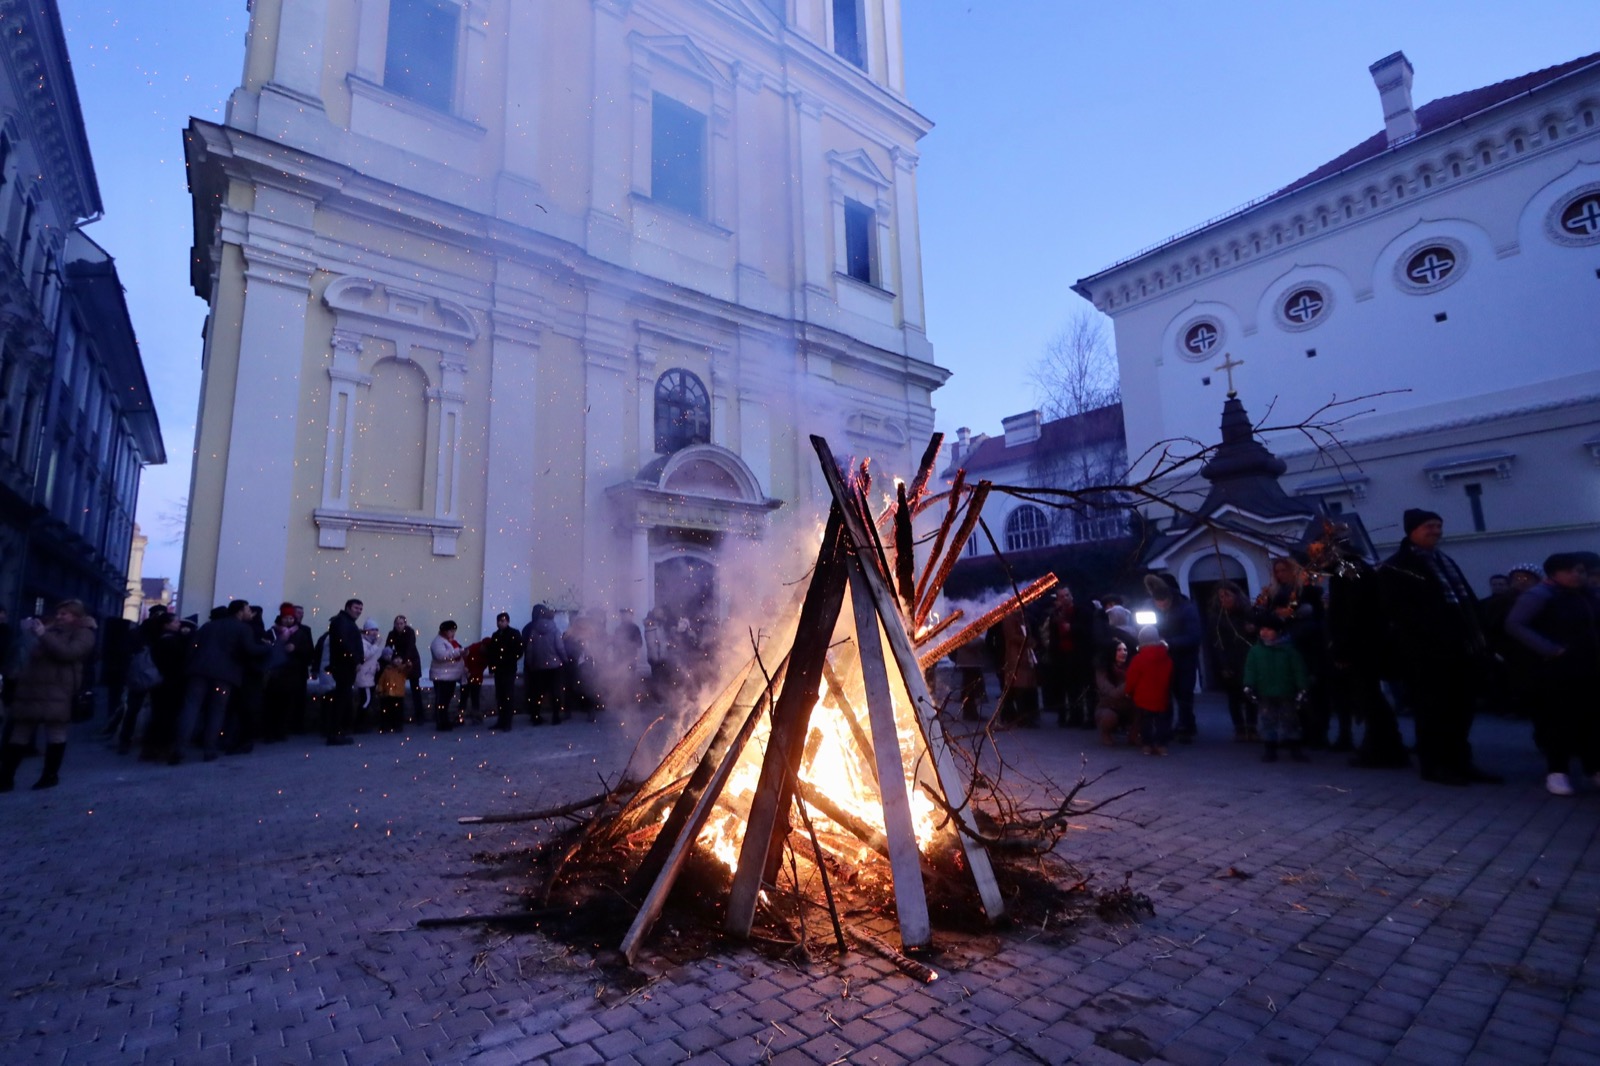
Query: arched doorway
1205 574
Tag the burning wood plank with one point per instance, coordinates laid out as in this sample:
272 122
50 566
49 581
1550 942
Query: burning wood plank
905 656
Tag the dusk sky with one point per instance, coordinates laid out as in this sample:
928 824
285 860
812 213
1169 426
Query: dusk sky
1066 136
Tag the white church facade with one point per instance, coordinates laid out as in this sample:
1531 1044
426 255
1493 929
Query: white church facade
515 302
1451 264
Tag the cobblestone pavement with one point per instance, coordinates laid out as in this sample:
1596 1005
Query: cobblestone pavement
262 909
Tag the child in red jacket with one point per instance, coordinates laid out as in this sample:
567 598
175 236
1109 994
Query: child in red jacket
1150 688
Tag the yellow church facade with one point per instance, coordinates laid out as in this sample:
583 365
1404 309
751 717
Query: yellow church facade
516 302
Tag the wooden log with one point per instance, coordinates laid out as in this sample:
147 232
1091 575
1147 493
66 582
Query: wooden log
910 967
850 823
937 552
930 456
938 627
534 816
969 523
977 626
905 656
905 860
905 552
754 685
684 752
863 747
791 717
683 844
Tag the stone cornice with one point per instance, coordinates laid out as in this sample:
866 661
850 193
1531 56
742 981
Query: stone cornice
1398 179
41 76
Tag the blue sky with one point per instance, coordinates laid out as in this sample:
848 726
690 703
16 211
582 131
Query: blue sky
1067 135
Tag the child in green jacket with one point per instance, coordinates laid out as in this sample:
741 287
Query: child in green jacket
1275 680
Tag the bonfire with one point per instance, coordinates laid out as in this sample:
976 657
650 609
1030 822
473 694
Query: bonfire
826 747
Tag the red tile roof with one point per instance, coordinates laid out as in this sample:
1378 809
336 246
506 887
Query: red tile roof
1440 113
1075 431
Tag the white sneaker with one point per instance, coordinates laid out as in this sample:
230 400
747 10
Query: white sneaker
1558 785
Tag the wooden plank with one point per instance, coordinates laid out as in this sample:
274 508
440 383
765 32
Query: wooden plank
905 656
685 751
905 859
683 844
751 685
791 717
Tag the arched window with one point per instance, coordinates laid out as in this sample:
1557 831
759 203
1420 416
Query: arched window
1026 528
683 412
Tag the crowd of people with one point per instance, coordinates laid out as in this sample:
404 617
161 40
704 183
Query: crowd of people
178 688
1315 653
1318 652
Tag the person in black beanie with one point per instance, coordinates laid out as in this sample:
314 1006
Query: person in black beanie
1437 647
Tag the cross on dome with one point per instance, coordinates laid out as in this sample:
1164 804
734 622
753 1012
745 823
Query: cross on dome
1228 363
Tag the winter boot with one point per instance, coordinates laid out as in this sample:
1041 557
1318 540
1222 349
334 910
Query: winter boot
10 758
1271 754
1296 755
51 777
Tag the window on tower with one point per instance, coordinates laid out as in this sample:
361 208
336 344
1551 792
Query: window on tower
849 40
683 412
678 156
420 57
860 242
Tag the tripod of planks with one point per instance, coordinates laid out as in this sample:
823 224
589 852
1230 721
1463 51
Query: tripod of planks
852 555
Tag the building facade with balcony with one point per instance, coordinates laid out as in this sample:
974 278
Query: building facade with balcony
518 302
77 424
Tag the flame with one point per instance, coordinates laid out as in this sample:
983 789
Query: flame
836 768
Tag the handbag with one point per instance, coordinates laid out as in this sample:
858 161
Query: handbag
142 673
321 684
83 705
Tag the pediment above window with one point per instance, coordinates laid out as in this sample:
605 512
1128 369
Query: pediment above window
366 298
859 164
680 52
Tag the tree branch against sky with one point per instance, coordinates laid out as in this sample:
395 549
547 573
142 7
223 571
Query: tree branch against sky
1077 371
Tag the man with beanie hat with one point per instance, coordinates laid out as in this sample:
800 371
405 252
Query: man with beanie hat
1437 646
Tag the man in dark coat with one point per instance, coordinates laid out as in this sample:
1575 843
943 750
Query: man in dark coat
1183 631
223 648
345 653
1070 633
1436 646
1358 640
504 653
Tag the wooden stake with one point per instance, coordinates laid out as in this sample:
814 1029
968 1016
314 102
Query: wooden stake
955 792
976 627
791 717
910 897
650 909
968 524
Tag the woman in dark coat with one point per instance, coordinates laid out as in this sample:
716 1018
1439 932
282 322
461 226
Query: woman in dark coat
51 680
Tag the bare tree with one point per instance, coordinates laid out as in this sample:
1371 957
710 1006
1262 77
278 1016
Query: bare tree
1077 371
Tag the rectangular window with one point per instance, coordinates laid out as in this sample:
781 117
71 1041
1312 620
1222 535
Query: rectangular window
678 156
1475 501
849 42
860 224
420 60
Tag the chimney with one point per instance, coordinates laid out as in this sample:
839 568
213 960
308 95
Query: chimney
1392 75
959 450
1020 429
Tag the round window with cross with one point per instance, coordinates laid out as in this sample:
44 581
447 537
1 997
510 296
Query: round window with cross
1305 306
1575 219
1431 265
1200 340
